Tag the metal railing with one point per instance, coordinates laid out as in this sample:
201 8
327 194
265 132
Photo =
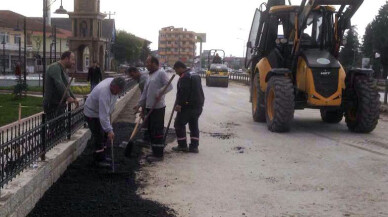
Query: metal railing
238 77
23 144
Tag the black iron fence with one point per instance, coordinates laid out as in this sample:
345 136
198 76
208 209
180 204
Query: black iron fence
233 76
22 144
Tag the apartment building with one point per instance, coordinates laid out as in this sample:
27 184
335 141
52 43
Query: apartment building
176 44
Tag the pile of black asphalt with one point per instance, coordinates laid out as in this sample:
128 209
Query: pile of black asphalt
86 190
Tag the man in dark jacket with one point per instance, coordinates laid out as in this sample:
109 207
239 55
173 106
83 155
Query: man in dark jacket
94 75
217 59
189 102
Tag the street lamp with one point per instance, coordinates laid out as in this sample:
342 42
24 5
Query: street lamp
45 10
244 45
60 10
53 44
3 43
17 29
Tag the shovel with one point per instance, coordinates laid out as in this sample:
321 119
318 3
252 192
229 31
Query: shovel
113 156
128 149
168 125
63 96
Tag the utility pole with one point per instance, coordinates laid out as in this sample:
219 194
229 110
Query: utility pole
55 43
25 50
200 52
44 42
3 43
110 14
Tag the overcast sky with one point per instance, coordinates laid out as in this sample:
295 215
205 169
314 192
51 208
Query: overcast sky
226 23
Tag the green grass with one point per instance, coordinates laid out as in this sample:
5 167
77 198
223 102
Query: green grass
9 107
83 90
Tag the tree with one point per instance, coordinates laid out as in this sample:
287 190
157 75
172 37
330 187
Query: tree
145 51
376 38
127 48
367 46
349 55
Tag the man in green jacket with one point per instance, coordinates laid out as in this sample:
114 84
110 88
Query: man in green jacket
56 81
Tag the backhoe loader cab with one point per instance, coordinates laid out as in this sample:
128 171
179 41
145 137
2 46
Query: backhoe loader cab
292 57
217 74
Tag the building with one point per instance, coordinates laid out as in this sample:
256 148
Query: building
235 62
83 45
59 34
176 44
12 30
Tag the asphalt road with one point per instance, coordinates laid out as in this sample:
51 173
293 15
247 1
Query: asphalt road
242 169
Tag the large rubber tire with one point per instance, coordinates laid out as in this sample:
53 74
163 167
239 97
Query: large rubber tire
258 101
363 113
332 116
280 104
208 81
226 83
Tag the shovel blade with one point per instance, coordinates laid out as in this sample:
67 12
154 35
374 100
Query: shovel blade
128 149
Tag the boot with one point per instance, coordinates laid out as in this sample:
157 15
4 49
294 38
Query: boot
193 148
157 150
182 146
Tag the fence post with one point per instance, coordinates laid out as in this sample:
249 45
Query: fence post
386 91
69 120
43 137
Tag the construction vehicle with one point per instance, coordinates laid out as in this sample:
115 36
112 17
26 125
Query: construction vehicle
217 74
292 57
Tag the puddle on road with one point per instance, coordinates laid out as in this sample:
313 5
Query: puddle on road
229 125
239 149
223 136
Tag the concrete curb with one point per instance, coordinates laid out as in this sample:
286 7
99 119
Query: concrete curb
122 102
20 196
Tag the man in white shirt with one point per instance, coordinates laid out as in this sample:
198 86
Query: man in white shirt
98 108
152 94
141 79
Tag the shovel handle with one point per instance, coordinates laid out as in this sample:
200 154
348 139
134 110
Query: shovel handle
134 132
169 122
113 156
67 89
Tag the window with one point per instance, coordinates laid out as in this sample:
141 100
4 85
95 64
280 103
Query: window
17 39
4 37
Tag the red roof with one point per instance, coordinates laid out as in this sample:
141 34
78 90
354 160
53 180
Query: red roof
10 19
